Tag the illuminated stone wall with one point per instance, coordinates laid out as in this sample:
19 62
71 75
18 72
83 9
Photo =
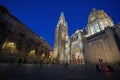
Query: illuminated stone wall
67 50
103 46
101 43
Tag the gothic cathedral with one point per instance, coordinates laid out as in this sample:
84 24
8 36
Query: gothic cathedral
98 42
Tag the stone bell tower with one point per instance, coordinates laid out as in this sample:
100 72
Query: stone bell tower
60 37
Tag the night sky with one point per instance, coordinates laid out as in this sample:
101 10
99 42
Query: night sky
41 16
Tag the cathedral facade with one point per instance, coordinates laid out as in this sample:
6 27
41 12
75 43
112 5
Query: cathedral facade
99 42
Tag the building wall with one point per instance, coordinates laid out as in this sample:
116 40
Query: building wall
21 42
101 46
67 49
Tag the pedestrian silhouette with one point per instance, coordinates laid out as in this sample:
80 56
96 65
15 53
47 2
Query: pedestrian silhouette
66 65
97 68
41 63
19 61
63 64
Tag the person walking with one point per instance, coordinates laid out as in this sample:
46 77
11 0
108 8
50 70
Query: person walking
41 63
98 68
66 65
63 64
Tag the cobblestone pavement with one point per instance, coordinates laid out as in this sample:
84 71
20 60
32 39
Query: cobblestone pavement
34 72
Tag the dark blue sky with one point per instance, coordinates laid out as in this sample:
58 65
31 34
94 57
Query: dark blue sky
41 16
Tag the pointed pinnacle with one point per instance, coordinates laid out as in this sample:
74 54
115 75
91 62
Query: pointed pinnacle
62 13
93 9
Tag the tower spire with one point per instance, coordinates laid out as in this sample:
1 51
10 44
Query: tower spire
62 14
60 37
62 19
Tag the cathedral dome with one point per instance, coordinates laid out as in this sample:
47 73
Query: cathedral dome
97 21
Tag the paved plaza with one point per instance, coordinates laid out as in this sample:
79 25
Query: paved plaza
52 72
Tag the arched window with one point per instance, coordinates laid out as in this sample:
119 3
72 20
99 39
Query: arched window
97 28
101 25
92 30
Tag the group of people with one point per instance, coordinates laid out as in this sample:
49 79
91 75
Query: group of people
106 68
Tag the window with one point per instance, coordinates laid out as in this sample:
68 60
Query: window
74 39
92 19
31 40
106 22
22 33
77 37
101 25
92 30
8 26
81 45
97 28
